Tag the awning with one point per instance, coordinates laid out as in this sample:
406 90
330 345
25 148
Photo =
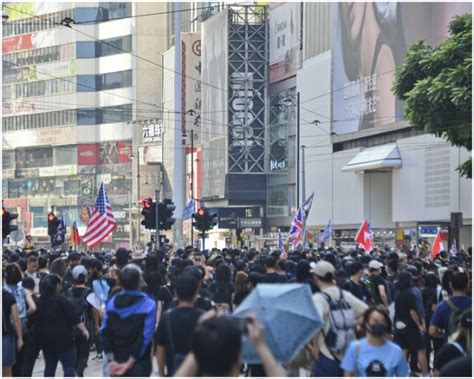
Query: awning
377 157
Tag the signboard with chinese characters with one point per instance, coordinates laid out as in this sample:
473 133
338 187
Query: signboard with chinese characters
191 84
151 133
285 53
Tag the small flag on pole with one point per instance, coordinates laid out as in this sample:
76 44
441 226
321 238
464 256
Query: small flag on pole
296 228
324 236
437 246
307 205
102 221
60 235
280 242
75 239
189 210
364 237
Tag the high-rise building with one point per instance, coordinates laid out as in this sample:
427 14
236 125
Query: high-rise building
81 105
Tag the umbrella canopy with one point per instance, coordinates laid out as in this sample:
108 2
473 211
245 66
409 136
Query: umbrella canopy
289 316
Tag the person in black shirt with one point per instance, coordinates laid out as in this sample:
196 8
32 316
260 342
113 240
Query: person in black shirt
409 329
378 289
356 287
56 318
89 316
271 276
9 331
176 326
222 289
241 291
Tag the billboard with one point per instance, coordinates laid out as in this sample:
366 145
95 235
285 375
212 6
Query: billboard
191 83
369 41
87 154
18 43
285 41
214 104
246 96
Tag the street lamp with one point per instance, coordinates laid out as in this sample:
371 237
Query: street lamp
5 17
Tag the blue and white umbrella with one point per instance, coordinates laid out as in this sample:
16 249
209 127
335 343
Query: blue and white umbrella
289 316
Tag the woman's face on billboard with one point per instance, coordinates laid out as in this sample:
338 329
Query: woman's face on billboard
353 18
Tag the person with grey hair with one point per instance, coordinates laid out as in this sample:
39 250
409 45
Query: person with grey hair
128 326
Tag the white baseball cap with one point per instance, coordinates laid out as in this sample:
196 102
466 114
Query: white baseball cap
374 264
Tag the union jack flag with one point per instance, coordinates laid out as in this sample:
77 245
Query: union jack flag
296 228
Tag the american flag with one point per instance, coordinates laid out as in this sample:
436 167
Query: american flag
296 228
101 222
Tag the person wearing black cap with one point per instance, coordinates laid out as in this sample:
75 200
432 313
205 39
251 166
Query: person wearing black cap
122 257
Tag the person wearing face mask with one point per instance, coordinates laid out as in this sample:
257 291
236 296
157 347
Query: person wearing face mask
375 355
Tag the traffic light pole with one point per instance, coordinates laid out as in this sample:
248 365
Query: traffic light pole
157 222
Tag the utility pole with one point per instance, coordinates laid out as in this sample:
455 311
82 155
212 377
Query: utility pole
303 173
157 222
297 150
192 179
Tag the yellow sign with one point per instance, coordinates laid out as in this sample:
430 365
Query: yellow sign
399 234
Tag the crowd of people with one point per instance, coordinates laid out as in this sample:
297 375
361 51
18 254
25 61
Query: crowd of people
384 313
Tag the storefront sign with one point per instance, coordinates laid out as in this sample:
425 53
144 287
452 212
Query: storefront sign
57 136
18 43
57 69
87 154
152 133
124 151
58 171
250 223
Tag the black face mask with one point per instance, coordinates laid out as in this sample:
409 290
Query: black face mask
377 330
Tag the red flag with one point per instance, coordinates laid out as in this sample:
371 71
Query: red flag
75 239
437 246
364 237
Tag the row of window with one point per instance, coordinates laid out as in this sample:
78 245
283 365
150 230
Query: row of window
112 80
40 120
83 116
35 24
81 49
85 83
105 12
111 46
37 56
41 88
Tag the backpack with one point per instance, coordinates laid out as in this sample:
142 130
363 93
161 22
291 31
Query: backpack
81 309
456 315
341 324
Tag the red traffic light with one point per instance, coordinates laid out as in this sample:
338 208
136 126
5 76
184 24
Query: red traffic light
201 212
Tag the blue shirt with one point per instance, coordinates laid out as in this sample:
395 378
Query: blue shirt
389 354
442 312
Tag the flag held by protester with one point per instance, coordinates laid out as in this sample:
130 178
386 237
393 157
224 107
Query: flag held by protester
102 221
307 205
437 246
75 238
364 237
296 228
60 235
324 236
189 209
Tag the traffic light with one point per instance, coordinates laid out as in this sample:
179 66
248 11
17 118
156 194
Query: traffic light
53 224
204 220
199 219
169 209
8 217
149 213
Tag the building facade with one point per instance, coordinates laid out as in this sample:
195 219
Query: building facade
79 106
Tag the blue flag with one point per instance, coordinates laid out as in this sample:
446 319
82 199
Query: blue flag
189 210
323 237
60 235
280 242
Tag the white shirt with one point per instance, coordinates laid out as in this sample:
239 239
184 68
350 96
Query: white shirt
322 305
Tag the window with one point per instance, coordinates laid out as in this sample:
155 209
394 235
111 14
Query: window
121 113
8 159
88 15
86 49
277 201
87 83
65 155
121 79
86 116
39 216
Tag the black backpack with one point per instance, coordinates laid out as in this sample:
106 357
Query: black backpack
81 309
